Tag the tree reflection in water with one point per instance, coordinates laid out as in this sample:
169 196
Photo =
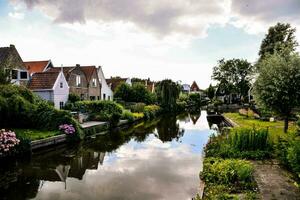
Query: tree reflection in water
27 178
168 129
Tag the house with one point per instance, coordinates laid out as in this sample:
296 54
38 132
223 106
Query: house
94 86
51 86
12 63
186 88
106 92
38 66
76 79
194 87
114 82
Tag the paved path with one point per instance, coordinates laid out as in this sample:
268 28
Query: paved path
274 183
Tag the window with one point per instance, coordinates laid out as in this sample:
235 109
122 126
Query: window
108 97
14 74
104 96
23 75
92 98
61 85
98 97
82 96
61 105
78 80
94 84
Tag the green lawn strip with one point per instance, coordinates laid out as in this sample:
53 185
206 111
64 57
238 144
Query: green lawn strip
275 128
33 134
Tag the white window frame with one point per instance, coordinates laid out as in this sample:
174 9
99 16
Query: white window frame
20 75
61 85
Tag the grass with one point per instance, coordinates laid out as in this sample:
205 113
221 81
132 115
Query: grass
33 134
275 128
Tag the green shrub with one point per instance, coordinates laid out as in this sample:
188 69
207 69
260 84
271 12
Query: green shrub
293 156
151 111
137 107
227 172
128 116
73 98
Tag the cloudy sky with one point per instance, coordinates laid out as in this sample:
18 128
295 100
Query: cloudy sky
178 39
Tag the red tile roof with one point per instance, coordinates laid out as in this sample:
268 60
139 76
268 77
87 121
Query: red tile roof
36 66
43 80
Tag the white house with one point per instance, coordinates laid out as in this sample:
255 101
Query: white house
51 86
106 92
186 88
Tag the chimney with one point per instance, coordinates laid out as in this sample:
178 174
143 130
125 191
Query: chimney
77 65
12 46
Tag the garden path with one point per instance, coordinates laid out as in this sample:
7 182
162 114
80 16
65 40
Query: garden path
274 183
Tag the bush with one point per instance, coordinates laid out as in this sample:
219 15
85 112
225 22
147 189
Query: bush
227 172
128 116
137 107
73 98
101 110
293 156
151 111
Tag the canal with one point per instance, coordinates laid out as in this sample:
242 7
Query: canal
160 159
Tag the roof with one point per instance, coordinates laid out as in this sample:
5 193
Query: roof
11 55
88 71
195 87
66 70
43 80
36 66
115 82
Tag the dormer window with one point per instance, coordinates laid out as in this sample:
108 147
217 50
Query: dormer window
61 85
78 81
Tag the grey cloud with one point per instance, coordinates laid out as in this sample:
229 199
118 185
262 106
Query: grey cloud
267 10
159 16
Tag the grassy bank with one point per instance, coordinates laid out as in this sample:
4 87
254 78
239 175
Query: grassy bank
275 128
227 154
33 134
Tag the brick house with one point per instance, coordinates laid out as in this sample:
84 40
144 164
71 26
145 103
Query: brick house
94 86
76 79
12 63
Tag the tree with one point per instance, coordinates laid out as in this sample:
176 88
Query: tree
233 76
210 92
279 37
277 85
141 94
124 92
167 93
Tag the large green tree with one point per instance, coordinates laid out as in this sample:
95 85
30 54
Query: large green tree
279 37
278 84
167 93
233 75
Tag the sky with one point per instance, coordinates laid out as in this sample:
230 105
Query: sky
177 39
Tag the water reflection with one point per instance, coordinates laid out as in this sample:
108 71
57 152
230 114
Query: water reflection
154 160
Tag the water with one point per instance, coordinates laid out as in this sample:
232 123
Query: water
156 160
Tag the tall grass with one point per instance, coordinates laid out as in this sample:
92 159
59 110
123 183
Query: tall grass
249 139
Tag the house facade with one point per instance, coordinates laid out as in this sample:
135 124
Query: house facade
50 86
76 79
93 84
106 92
12 64
186 88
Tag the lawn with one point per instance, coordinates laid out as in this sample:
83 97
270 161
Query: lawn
33 134
275 128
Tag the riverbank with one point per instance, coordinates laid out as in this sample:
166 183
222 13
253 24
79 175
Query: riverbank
256 141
